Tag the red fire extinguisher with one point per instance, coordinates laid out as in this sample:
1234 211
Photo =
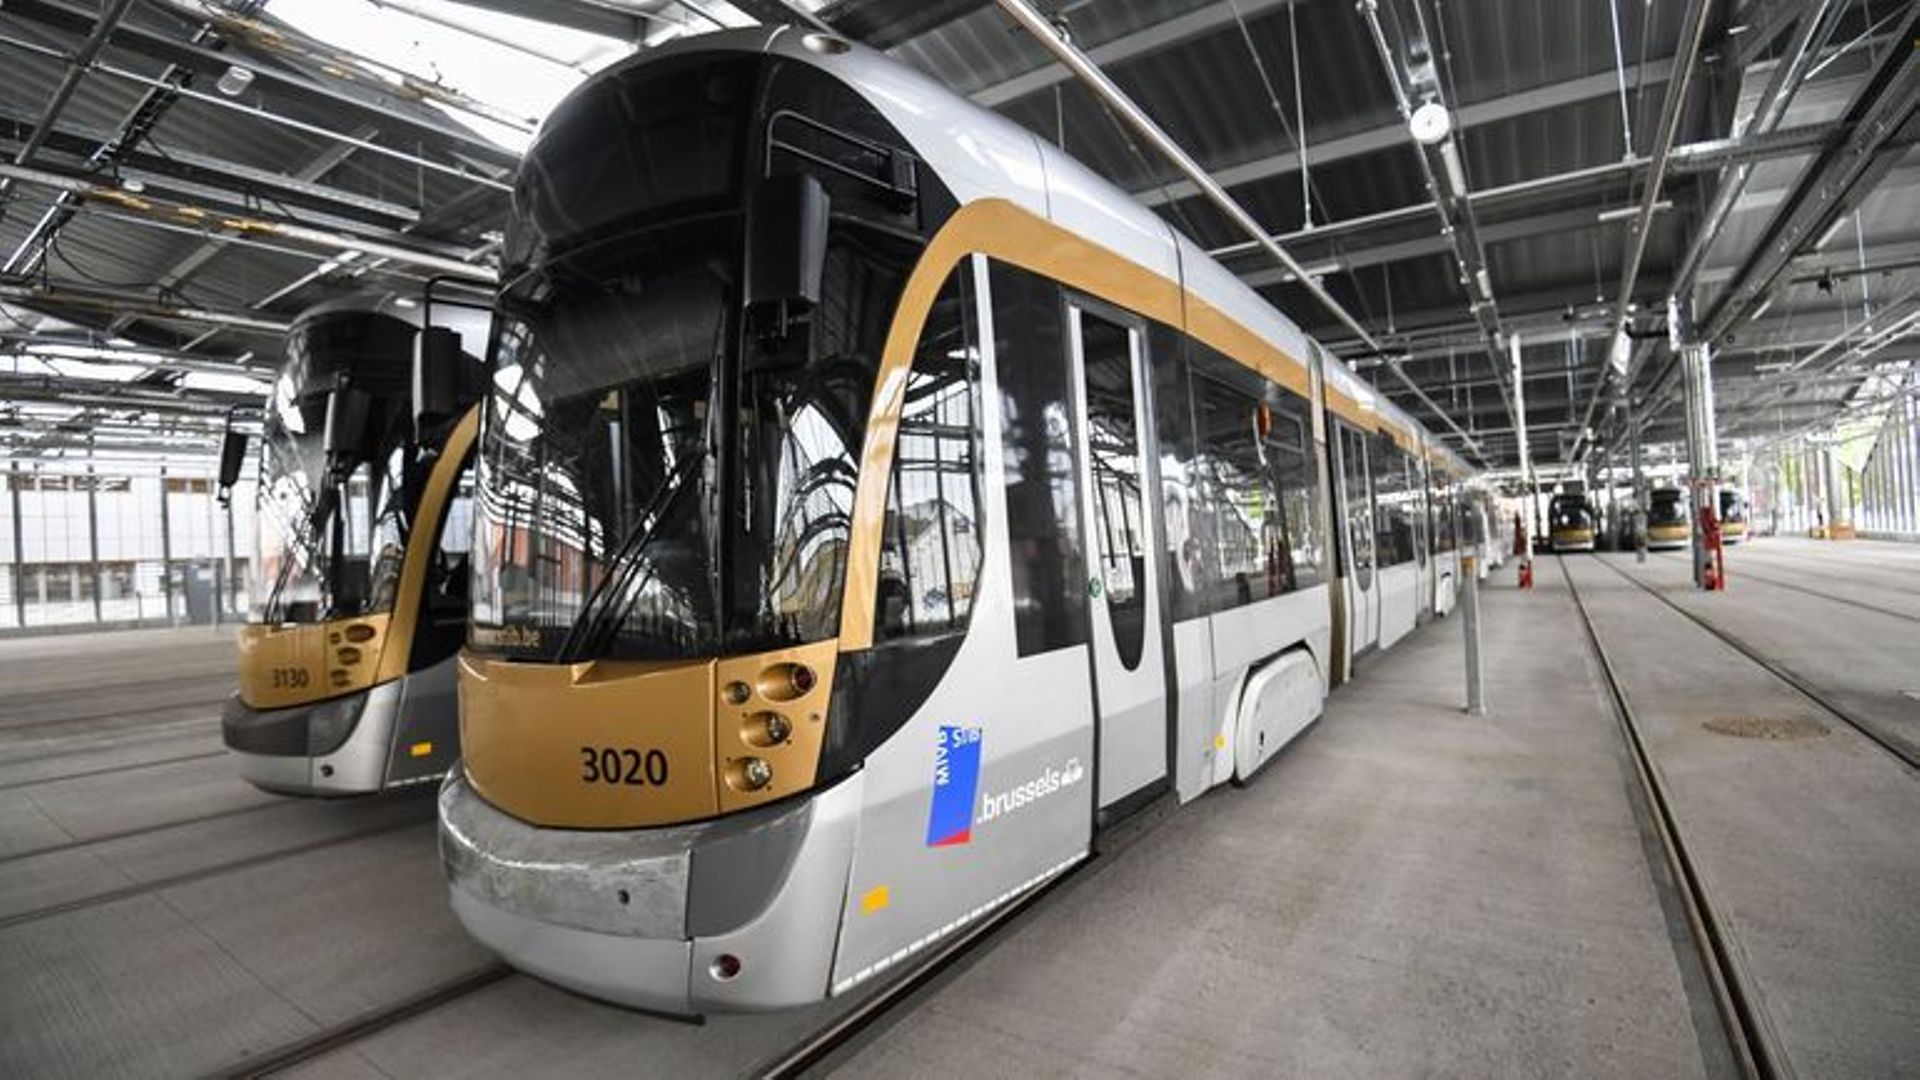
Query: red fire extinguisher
1716 569
1520 551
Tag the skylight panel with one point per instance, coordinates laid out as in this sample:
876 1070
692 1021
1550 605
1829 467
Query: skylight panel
515 68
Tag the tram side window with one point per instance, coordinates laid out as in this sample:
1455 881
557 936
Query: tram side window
1417 506
1239 494
1188 531
1041 475
1441 503
1393 508
930 548
1292 460
443 608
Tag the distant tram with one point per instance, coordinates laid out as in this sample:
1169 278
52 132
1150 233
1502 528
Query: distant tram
1570 523
1669 521
359 600
1733 516
873 505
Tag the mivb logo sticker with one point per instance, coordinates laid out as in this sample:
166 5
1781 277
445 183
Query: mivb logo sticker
956 783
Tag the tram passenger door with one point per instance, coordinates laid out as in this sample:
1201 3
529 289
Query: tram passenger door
1123 587
1356 501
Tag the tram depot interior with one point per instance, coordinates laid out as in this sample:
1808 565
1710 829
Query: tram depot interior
1270 538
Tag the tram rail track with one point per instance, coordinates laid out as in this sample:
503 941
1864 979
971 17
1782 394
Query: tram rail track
1746 571
143 830
14 722
342 1035
141 888
105 770
843 1032
846 1031
1905 754
1751 1039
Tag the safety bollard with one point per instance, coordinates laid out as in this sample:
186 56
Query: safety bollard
1470 626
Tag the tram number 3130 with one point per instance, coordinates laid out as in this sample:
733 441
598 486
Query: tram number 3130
622 765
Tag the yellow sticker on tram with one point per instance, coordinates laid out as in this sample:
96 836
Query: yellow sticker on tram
874 899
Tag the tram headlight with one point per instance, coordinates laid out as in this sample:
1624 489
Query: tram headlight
755 773
330 722
765 729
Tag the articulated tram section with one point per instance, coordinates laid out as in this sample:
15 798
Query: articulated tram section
715 538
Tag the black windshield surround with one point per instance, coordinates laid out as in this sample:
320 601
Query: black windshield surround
663 472
331 545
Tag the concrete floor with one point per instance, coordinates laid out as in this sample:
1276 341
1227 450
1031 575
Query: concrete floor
1407 890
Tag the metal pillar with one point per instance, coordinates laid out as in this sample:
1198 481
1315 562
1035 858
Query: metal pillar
229 577
1838 512
1911 462
93 539
1703 460
19 549
1526 461
1470 628
166 549
1639 522
213 558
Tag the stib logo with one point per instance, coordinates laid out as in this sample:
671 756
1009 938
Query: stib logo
956 783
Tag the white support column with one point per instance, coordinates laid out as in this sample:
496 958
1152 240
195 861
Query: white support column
1526 461
1703 460
1839 508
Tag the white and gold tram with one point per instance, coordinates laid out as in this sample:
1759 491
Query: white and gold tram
347 672
872 505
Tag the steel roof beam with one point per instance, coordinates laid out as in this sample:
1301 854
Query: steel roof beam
1140 43
1809 38
69 82
1391 136
1830 187
187 165
1693 28
197 259
418 122
63 390
1130 114
602 19
1414 67
364 240
102 300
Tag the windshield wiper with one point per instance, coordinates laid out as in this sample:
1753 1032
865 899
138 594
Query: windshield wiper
318 511
603 608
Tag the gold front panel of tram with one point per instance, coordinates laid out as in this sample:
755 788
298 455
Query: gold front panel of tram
284 666
615 744
596 745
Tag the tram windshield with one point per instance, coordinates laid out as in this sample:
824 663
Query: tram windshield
1732 506
1566 513
1667 507
650 489
330 544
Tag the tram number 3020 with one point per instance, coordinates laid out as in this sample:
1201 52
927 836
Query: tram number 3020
623 765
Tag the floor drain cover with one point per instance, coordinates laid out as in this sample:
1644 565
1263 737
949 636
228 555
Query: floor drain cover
1766 727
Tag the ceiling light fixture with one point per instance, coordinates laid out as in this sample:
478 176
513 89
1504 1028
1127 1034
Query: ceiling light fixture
235 80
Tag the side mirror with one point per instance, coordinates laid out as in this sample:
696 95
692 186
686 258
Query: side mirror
348 412
233 454
445 380
787 252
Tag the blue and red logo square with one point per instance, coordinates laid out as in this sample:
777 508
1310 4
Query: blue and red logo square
956 786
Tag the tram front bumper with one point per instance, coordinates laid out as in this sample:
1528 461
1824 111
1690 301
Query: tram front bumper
334 747
733 914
